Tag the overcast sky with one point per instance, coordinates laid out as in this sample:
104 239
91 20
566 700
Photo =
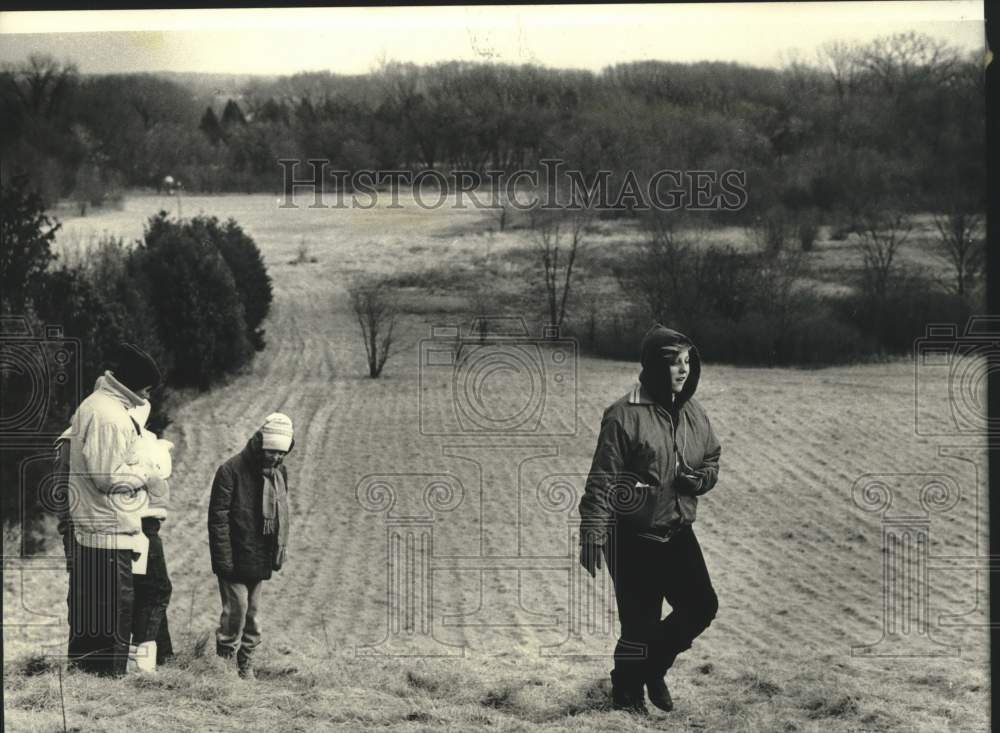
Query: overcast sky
354 40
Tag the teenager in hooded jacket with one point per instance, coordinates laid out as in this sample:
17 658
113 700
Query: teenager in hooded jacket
656 454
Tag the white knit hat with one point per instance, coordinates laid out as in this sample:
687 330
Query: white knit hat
277 432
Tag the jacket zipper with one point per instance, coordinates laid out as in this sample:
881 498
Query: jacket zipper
673 438
677 462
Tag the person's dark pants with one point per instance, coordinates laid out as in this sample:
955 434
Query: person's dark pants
152 595
101 596
646 572
164 647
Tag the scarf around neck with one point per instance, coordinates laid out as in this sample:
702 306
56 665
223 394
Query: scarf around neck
274 507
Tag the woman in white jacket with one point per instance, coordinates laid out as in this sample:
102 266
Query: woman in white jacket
106 485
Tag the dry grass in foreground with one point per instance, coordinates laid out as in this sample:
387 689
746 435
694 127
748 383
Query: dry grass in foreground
511 692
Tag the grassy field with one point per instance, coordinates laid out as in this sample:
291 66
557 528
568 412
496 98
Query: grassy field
796 562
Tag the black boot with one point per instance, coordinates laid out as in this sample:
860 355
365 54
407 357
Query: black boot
245 665
164 646
627 695
659 693
223 651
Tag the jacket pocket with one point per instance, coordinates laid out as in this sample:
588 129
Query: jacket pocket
643 507
667 514
633 503
688 507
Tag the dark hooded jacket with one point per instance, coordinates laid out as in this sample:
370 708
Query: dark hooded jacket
641 445
238 545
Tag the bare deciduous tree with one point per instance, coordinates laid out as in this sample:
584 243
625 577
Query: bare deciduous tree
41 83
501 208
960 244
842 62
771 230
559 239
661 272
880 239
686 281
374 305
405 87
904 62
778 291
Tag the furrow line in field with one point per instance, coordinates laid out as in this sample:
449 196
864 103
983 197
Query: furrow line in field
344 563
311 515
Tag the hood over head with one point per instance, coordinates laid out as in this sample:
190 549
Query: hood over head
658 345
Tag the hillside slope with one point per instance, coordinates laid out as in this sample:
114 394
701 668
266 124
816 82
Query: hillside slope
796 561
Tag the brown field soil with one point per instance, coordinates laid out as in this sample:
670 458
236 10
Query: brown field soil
797 562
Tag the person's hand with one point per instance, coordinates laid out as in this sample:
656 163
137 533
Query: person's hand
688 482
590 557
157 488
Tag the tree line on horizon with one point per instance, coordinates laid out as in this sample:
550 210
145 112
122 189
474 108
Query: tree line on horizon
898 122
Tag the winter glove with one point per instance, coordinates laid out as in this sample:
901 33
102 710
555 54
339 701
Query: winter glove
279 559
591 551
590 558
158 490
688 480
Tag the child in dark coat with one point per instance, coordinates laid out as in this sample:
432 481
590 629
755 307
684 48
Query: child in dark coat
248 527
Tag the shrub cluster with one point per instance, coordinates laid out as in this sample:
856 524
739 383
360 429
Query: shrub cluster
244 260
755 308
199 309
891 324
192 293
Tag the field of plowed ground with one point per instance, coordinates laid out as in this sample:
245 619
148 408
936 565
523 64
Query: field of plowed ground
431 582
